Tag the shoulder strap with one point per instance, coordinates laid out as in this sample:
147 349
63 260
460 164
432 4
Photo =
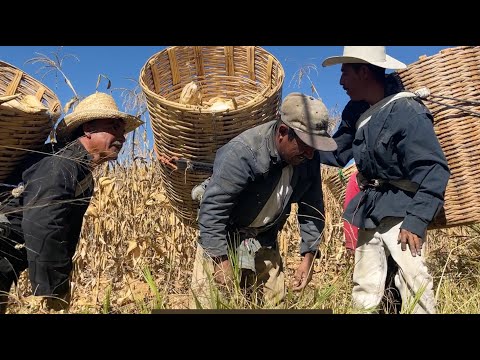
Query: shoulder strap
367 115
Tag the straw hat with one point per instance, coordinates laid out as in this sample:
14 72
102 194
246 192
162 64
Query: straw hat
374 55
95 106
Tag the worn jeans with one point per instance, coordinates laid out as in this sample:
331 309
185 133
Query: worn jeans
269 278
412 278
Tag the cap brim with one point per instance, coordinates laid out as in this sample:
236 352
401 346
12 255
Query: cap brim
318 142
389 63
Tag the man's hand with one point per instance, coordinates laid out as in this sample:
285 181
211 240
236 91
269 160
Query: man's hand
168 161
414 242
304 273
223 272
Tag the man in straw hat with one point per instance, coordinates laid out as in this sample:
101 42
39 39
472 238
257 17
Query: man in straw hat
47 217
256 178
403 174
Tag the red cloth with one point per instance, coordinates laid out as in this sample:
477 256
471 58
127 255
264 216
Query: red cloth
351 232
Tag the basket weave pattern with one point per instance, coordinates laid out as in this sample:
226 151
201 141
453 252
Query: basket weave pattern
249 75
23 130
336 181
454 73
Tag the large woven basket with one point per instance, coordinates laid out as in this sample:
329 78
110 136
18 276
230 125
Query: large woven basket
454 73
28 112
249 76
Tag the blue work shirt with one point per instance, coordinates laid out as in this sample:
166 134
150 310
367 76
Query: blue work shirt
398 143
245 173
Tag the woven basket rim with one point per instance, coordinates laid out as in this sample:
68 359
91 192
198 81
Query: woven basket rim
196 109
426 58
54 95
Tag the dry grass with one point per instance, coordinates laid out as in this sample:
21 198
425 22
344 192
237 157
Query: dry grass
135 255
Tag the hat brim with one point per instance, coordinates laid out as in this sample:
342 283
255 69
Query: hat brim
72 121
318 142
389 63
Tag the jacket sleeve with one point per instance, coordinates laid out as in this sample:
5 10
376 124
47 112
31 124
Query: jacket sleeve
232 173
49 191
311 215
344 138
344 135
426 165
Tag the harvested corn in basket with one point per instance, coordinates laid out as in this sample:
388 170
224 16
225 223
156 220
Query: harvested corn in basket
28 112
199 98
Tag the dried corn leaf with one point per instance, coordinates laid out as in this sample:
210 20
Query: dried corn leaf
131 246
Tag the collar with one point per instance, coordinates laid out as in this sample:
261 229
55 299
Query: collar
272 148
76 150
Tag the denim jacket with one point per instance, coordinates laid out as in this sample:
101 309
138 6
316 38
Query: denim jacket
398 143
245 173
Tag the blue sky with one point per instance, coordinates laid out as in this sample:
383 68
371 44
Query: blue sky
119 63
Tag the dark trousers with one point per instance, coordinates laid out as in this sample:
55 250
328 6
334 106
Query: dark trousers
13 260
49 264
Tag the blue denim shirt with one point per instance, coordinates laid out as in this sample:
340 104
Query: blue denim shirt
245 173
398 142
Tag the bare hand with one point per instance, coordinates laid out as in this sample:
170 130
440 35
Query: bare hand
414 242
169 162
304 273
223 272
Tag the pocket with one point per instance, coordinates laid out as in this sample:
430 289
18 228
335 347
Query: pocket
359 147
384 149
385 138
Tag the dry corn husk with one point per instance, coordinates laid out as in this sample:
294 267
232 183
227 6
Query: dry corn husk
218 104
29 104
191 94
8 98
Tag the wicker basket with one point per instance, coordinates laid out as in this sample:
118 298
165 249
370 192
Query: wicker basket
454 73
336 181
24 124
249 76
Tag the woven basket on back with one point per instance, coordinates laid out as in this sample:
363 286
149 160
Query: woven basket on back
28 112
248 77
454 73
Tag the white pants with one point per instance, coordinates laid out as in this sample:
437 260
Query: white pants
412 279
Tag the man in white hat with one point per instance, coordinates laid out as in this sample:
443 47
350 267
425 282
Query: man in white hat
403 174
47 218
257 176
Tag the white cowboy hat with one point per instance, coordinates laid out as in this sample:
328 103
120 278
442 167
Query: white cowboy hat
95 106
374 55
